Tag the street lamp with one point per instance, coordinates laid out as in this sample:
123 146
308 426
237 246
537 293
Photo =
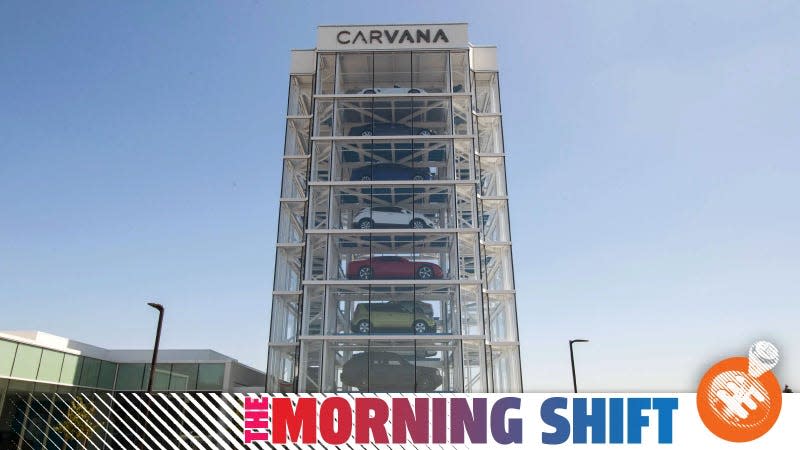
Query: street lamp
572 359
160 309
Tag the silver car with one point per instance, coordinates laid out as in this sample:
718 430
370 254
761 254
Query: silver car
390 217
392 90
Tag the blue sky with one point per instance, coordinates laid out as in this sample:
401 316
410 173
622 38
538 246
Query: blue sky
652 166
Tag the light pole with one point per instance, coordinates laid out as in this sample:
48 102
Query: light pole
572 359
160 309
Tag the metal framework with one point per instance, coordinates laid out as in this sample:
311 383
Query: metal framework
430 149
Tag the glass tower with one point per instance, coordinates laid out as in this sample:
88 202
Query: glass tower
393 267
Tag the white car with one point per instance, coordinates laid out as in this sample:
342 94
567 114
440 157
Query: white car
392 90
390 217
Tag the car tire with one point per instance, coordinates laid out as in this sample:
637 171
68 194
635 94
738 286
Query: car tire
366 224
418 224
414 91
425 133
363 327
418 178
365 273
369 91
366 133
366 178
420 327
425 273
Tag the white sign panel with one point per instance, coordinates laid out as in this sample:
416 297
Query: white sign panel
386 37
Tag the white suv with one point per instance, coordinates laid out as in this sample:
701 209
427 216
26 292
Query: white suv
390 217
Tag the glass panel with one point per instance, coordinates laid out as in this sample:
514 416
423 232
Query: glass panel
468 256
313 310
292 222
321 166
338 358
26 364
210 377
160 378
396 206
395 159
465 206
464 167
392 310
487 93
285 318
280 368
493 176
438 366
288 263
502 317
184 377
71 369
295 177
505 369
326 73
490 135
462 116
430 72
459 67
471 311
316 256
50 367
7 352
299 95
354 73
130 377
392 256
495 221
498 266
89 372
431 116
318 207
107 373
392 73
323 118
311 366
392 366
297 137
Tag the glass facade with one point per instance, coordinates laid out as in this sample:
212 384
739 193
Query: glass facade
28 371
393 263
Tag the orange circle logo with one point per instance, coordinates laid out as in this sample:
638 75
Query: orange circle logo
738 400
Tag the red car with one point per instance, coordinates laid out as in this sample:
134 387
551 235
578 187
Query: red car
382 267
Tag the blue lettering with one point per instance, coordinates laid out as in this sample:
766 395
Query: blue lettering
582 420
636 420
665 406
560 423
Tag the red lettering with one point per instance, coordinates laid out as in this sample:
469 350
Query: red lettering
367 423
284 418
344 413
403 418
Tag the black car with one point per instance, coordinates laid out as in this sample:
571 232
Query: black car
388 372
387 171
388 129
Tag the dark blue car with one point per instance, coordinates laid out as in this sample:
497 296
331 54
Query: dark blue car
388 129
386 171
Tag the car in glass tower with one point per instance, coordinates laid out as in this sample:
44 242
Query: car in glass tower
390 217
403 316
388 172
388 267
392 90
388 129
388 372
